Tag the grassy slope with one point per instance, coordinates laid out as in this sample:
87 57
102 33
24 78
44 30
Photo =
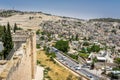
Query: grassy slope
57 72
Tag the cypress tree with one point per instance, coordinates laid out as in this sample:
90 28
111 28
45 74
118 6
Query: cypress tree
4 42
10 46
4 29
7 40
15 27
3 36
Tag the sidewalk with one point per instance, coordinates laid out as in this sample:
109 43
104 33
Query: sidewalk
39 73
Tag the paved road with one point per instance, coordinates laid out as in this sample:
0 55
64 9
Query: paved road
74 66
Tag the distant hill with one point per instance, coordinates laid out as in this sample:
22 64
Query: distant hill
32 20
106 20
25 19
8 13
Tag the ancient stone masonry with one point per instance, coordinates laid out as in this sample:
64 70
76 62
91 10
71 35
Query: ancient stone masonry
21 62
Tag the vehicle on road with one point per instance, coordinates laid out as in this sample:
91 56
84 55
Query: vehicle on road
85 66
77 67
89 76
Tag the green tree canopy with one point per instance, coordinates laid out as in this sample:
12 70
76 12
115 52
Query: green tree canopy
62 45
83 55
15 27
7 40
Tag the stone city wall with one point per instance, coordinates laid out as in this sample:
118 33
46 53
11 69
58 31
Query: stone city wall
22 65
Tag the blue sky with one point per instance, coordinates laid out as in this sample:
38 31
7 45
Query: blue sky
72 8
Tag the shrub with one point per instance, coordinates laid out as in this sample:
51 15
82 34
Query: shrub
38 62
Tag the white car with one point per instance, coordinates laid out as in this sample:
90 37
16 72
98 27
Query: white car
77 67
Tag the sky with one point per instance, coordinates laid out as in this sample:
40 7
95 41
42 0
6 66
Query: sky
83 9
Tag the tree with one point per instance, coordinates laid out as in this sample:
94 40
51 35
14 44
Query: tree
9 37
92 65
62 45
95 48
4 42
7 41
74 56
15 27
3 36
38 32
77 37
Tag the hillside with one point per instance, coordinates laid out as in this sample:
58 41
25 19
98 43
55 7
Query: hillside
26 20
102 30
